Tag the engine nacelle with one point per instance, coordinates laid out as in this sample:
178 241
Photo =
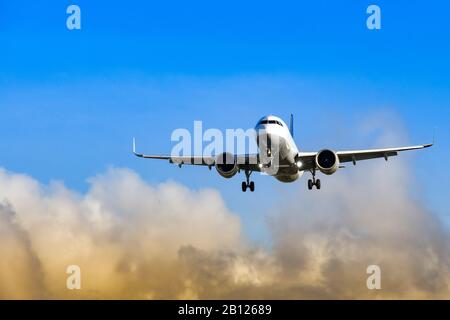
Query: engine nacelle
226 165
327 161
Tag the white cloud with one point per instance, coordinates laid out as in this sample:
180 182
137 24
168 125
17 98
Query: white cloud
135 240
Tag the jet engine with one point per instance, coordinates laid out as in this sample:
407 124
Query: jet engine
226 165
327 161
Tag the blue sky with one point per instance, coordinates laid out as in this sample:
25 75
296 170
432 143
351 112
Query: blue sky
70 101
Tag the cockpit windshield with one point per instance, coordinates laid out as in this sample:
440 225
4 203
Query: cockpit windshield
271 122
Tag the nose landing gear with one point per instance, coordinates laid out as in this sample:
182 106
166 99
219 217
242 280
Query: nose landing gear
248 184
313 182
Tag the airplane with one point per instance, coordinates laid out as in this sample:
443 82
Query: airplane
275 141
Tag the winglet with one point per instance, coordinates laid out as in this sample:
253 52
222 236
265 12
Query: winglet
434 140
134 149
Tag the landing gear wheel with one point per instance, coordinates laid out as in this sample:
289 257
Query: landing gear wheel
247 183
313 182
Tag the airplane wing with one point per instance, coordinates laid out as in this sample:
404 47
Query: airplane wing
245 162
308 158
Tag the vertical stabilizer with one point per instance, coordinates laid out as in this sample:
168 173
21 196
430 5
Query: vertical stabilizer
291 125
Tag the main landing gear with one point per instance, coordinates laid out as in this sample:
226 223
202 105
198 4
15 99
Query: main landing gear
248 184
313 182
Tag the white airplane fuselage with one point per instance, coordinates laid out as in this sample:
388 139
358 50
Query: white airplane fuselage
276 144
